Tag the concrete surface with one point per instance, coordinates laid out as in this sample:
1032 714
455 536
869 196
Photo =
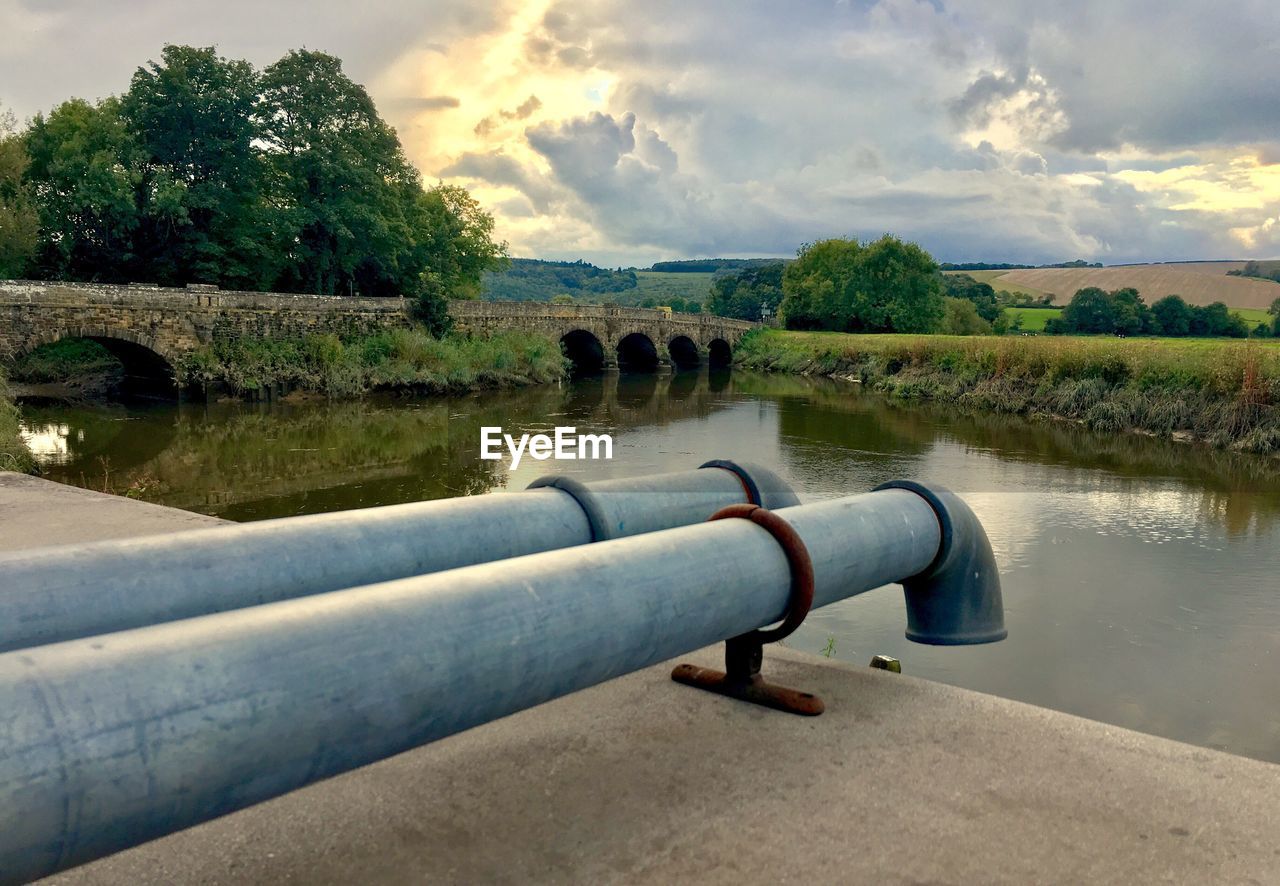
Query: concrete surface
643 780
35 513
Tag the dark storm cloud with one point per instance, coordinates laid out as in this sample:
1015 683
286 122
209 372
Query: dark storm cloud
1161 76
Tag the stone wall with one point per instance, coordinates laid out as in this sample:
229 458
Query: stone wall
174 322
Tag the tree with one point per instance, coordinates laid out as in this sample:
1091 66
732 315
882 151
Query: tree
981 294
454 240
1130 315
884 286
811 285
898 288
961 317
340 176
192 118
84 176
749 294
1089 311
19 219
1172 316
1217 320
207 171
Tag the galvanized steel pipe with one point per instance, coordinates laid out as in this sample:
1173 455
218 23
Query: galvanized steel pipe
112 740
60 593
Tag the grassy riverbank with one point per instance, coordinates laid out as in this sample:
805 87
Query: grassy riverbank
403 358
1225 393
13 452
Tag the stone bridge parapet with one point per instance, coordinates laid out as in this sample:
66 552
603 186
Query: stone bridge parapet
144 322
174 322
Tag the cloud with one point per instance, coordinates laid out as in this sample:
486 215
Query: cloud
428 103
997 129
520 112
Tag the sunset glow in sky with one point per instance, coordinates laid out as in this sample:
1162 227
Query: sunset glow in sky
623 133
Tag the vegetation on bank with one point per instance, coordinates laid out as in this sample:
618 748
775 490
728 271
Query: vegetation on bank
1224 393
14 455
402 358
65 360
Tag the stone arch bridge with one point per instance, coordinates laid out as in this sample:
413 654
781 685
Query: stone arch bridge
606 336
151 328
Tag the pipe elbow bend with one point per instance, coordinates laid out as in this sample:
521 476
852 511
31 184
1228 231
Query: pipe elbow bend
956 600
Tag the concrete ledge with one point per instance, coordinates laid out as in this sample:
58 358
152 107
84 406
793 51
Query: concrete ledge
643 780
35 513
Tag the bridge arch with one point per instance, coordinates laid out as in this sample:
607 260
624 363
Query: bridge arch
684 353
148 370
584 351
637 353
719 353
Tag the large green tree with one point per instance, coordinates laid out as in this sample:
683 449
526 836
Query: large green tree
84 175
1172 316
204 218
887 285
1089 311
345 188
207 171
899 288
19 219
816 285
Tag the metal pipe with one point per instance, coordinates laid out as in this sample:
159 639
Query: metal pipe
61 593
113 740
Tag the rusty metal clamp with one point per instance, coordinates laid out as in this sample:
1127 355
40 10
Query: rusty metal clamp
744 654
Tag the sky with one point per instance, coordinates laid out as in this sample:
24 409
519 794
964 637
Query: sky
622 132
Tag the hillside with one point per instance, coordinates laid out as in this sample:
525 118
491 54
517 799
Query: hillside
530 279
1200 283
664 285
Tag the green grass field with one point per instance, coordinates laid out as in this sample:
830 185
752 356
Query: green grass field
1253 316
1033 319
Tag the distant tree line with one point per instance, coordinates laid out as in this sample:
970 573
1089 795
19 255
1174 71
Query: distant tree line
709 265
1093 311
1006 266
1263 270
207 170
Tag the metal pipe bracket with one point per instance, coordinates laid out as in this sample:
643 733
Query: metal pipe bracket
744 654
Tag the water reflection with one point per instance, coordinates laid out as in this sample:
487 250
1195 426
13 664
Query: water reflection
1140 576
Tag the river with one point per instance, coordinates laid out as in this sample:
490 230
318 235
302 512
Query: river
1141 577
